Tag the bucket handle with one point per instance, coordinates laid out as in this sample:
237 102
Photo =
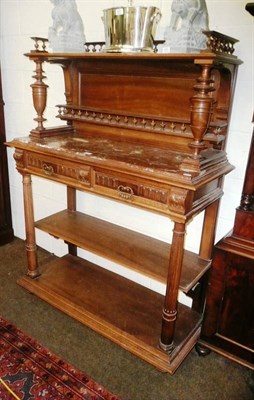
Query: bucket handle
157 15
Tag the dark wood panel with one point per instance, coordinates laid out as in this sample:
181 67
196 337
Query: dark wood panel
236 319
228 325
107 92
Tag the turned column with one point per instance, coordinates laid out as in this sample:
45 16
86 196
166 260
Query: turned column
31 249
205 252
201 108
39 90
169 313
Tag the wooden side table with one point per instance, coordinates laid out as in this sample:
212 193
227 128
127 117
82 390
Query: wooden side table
147 130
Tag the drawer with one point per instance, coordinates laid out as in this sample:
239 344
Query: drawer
164 198
140 193
59 170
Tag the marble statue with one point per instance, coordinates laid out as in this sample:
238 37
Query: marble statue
66 35
189 19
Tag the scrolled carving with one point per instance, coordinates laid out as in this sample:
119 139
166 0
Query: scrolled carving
48 169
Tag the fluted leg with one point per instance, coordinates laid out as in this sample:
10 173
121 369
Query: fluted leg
33 270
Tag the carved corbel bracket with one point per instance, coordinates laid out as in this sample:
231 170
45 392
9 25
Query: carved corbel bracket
19 158
178 200
67 82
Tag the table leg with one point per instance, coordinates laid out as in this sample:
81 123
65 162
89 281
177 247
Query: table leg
169 314
72 206
209 229
31 249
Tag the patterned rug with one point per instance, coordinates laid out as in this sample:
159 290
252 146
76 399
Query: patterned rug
29 371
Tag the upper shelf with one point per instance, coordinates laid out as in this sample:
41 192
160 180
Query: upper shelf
217 44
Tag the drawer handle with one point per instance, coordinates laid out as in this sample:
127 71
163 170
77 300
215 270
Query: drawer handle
125 192
48 169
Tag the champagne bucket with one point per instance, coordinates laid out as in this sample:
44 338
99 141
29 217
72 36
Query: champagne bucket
130 29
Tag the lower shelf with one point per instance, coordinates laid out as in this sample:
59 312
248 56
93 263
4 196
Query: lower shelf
121 310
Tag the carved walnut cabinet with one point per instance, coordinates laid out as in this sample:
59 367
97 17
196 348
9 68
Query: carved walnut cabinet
228 325
148 130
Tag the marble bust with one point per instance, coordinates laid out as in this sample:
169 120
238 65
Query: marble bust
189 19
66 35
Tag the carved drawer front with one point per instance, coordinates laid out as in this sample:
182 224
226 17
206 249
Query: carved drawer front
127 190
59 170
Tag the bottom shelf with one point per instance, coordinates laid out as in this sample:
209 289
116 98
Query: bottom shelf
119 309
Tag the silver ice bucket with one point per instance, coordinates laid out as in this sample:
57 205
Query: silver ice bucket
130 29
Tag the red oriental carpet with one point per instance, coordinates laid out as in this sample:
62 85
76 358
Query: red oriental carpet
29 371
